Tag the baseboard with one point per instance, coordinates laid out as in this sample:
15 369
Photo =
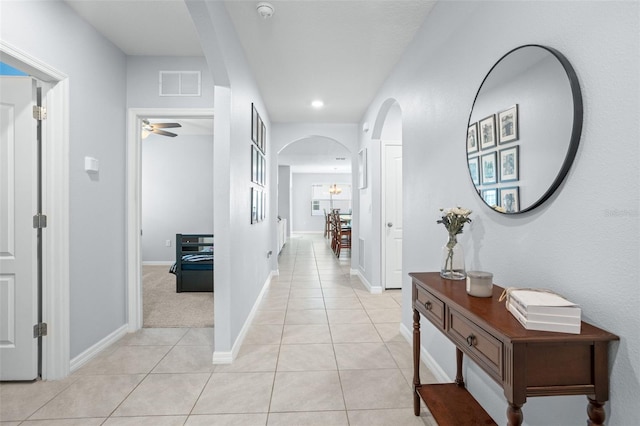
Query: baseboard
309 232
94 350
227 357
158 262
426 357
367 284
220 357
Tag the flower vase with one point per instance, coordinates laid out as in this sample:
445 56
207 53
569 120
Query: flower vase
453 260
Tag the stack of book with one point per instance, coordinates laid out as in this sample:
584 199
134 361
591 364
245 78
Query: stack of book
545 311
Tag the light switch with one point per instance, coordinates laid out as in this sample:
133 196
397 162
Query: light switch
91 165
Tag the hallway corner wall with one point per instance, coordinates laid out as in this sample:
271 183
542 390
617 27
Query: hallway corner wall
570 244
97 87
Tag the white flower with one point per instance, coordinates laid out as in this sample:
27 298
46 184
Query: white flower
460 211
454 219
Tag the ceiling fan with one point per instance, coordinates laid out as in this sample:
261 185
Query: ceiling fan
148 128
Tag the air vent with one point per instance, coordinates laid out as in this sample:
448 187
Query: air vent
341 158
180 83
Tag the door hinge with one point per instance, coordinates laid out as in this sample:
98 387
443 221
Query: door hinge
39 113
40 221
40 330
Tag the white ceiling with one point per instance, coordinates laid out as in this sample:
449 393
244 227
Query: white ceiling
143 27
340 51
337 50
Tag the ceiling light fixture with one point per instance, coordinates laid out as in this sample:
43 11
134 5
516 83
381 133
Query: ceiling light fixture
265 10
317 103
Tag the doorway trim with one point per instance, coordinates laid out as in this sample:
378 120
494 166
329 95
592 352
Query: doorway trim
55 200
383 204
134 200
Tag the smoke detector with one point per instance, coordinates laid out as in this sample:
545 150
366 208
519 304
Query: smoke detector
265 9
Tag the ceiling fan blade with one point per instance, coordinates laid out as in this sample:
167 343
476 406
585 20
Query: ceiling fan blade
163 133
165 125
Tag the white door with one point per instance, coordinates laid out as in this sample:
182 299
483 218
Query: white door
393 215
18 244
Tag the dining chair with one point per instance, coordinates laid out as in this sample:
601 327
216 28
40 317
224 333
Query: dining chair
327 224
342 234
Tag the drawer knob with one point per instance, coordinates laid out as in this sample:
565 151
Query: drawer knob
471 340
427 306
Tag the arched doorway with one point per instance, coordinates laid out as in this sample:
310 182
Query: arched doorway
388 129
303 163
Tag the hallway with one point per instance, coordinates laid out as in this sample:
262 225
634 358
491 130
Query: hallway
321 350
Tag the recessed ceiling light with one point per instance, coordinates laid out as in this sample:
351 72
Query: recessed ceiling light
317 103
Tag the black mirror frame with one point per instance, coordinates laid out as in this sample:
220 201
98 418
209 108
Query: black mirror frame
576 129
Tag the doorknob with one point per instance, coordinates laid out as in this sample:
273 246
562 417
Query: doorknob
389 225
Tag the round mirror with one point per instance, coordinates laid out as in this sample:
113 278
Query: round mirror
524 129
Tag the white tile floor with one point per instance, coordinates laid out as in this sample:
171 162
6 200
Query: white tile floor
321 351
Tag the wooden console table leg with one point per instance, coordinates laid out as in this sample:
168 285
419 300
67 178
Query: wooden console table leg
459 378
416 362
514 415
595 411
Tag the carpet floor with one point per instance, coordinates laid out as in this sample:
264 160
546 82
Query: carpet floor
163 307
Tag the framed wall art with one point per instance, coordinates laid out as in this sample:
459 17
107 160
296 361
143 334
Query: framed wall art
362 168
509 164
488 168
254 124
472 138
254 164
254 205
474 170
260 134
508 124
510 199
263 141
487 132
490 196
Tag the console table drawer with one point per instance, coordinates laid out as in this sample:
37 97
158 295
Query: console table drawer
476 342
431 307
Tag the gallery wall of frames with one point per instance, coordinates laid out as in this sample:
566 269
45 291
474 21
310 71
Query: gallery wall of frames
258 167
493 159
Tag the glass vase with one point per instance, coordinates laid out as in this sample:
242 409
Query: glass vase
452 265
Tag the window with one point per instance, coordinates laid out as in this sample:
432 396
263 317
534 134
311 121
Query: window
326 196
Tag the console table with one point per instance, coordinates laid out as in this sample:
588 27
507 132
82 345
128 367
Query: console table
524 362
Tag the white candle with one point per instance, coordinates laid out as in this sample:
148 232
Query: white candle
480 283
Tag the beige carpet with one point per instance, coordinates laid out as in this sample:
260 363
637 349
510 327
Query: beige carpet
163 307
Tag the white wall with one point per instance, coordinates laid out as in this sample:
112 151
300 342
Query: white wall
177 192
301 218
97 84
284 196
584 241
242 262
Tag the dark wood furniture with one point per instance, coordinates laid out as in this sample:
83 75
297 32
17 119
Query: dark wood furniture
524 362
194 263
327 224
341 233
